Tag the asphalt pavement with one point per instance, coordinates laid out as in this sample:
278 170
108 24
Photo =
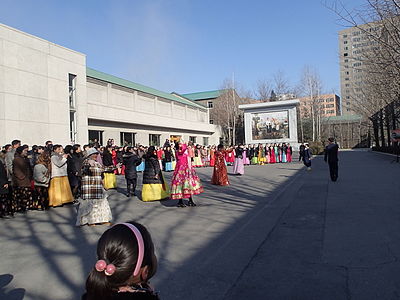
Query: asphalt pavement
278 232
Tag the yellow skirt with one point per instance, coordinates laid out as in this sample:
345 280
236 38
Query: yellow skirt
154 192
60 191
110 181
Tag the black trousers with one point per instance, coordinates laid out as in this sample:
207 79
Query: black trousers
130 182
333 170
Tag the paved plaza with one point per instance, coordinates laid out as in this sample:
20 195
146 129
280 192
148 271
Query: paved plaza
278 232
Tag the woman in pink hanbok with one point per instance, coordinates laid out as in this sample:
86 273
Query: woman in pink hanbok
185 182
289 153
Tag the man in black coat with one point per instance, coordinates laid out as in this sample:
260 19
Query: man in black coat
331 157
131 161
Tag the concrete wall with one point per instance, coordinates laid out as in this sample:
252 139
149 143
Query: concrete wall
34 102
116 109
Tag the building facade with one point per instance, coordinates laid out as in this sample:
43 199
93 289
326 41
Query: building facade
354 44
327 105
48 93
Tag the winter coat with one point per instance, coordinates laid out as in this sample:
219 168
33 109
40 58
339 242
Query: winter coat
131 161
3 178
107 159
58 166
9 163
331 153
74 166
22 172
151 170
167 156
41 176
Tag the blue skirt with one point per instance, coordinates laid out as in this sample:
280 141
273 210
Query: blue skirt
168 167
140 168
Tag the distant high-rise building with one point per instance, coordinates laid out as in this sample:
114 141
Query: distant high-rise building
354 44
327 105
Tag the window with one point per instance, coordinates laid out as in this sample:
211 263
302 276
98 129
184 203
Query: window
210 104
346 60
347 85
127 139
211 121
72 89
72 106
346 48
205 141
345 42
192 139
346 54
347 78
330 105
96 136
347 72
154 139
344 36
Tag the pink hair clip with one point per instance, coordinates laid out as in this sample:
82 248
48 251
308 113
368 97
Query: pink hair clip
101 266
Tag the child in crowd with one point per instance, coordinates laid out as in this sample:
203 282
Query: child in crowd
126 262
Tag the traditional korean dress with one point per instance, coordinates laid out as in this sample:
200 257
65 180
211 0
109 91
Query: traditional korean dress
289 154
185 181
212 157
272 155
238 166
220 174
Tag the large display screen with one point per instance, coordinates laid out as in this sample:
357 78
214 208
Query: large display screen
270 125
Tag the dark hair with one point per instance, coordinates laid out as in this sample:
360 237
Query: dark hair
331 139
220 146
7 146
55 147
21 148
15 142
150 152
118 246
68 149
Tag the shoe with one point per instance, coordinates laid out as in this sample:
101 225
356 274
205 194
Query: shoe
192 204
181 205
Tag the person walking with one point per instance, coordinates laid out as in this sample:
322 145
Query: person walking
131 160
154 186
331 157
307 157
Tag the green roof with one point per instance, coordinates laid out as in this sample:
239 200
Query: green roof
138 87
204 95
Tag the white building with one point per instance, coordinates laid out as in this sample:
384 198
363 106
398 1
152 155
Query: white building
48 93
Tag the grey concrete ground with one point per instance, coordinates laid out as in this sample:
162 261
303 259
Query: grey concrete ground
278 232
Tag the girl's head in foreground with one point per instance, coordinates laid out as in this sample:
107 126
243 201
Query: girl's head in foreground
125 258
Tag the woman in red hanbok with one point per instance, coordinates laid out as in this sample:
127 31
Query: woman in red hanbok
230 156
289 153
220 174
272 154
212 156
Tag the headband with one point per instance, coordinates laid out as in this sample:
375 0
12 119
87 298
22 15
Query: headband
139 239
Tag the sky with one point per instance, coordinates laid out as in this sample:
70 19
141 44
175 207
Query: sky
189 46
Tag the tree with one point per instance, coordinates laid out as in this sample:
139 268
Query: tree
311 86
226 109
378 64
264 89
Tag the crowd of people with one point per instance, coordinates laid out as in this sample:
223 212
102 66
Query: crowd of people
40 177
